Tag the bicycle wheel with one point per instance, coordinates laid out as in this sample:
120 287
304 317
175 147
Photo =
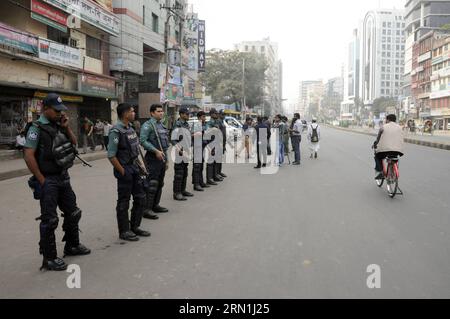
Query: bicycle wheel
391 181
379 182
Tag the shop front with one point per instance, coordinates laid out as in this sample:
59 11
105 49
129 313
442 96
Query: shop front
14 113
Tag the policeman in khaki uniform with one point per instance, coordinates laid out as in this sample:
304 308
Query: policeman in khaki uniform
180 133
123 152
50 150
155 140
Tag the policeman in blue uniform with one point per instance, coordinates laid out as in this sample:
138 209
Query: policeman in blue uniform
155 140
212 174
50 150
199 144
181 138
123 153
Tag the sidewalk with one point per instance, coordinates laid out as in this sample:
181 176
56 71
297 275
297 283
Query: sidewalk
435 141
17 167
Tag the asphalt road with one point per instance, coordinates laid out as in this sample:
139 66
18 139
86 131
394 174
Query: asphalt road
304 232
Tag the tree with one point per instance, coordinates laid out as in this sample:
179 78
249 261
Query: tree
381 104
224 75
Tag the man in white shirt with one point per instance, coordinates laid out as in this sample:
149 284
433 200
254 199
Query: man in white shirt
106 128
314 138
296 137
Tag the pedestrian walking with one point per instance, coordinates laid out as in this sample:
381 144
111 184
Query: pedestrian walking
87 134
262 130
280 126
223 129
155 141
296 137
314 138
49 152
106 129
99 130
123 153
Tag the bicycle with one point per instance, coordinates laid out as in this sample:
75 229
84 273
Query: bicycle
391 174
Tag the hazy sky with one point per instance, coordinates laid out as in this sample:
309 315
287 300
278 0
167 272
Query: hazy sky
312 34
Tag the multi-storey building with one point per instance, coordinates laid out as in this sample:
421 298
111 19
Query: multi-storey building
351 93
309 93
421 17
273 82
48 46
382 59
440 83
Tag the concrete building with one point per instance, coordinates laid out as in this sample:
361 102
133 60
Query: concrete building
421 17
273 88
382 59
146 35
333 95
46 51
309 93
351 93
440 83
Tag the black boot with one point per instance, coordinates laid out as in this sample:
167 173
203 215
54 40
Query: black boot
79 250
198 188
179 197
129 236
56 264
210 174
149 215
141 233
159 210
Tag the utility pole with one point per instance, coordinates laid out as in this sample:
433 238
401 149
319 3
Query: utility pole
244 111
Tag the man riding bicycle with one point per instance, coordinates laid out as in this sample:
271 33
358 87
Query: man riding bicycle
389 143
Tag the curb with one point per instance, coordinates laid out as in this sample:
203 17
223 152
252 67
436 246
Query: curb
25 172
408 140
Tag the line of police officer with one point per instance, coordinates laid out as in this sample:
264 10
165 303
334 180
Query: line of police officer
50 150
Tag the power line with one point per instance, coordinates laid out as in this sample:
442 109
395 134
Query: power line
101 40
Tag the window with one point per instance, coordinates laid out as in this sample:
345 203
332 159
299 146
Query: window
57 36
384 24
143 15
382 91
383 69
384 31
384 46
155 23
93 48
382 83
389 32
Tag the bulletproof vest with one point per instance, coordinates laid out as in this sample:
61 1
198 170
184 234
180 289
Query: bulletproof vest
181 125
128 147
163 136
55 152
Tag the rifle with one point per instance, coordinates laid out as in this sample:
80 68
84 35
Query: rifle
82 160
143 169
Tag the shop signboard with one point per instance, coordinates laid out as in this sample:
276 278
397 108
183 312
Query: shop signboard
58 53
91 13
98 86
49 15
201 46
17 39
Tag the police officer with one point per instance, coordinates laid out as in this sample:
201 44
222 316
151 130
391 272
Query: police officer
212 175
155 140
181 135
123 153
223 129
50 151
199 144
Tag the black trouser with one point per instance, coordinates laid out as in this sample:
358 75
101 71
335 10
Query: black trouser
57 192
157 173
180 179
263 154
106 141
197 169
296 140
129 185
379 157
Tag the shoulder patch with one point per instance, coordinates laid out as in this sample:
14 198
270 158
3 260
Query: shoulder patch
32 136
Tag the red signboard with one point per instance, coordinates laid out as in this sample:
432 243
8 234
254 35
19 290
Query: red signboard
49 12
